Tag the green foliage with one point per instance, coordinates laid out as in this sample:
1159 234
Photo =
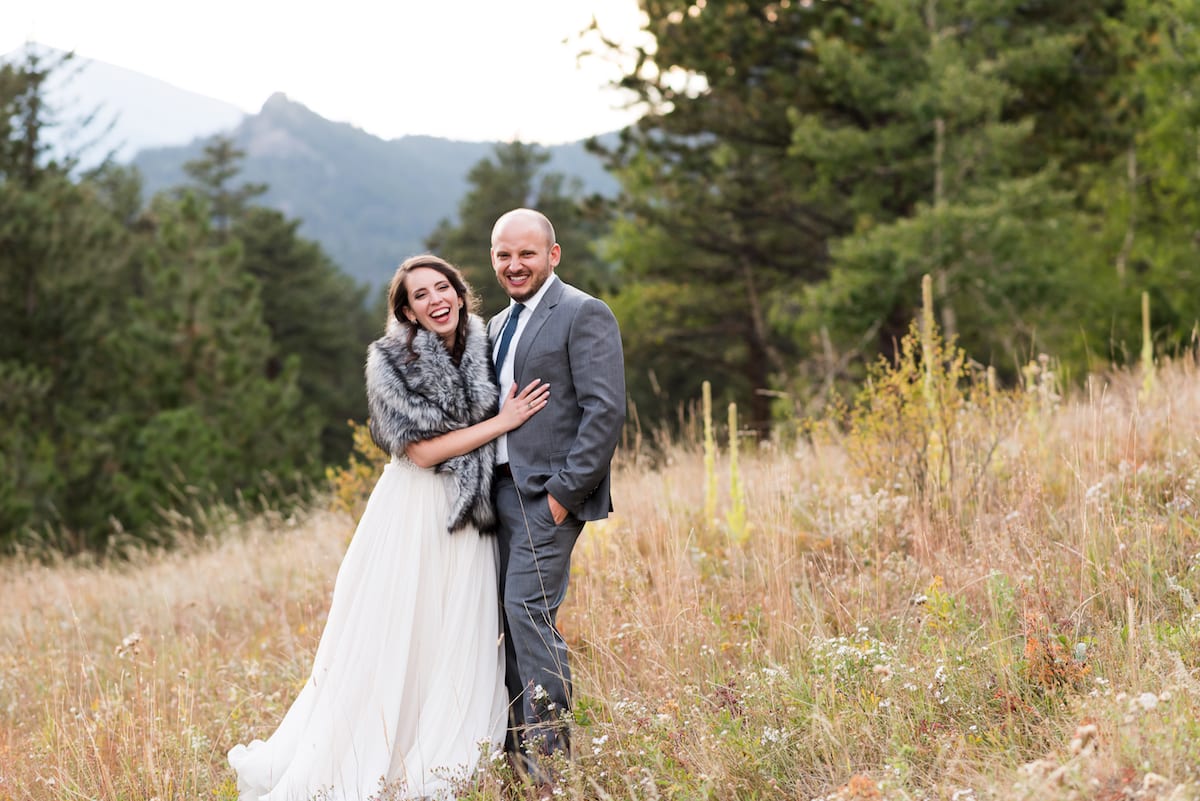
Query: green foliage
208 423
29 479
352 482
1145 197
931 159
801 164
717 224
316 315
137 365
22 98
212 174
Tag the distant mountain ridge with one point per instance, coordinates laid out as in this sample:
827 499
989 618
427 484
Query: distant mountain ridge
370 202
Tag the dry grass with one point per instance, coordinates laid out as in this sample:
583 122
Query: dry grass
1021 624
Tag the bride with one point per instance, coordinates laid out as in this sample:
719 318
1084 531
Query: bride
407 687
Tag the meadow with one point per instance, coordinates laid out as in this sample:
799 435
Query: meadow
944 590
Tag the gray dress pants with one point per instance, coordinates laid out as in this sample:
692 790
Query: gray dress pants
535 562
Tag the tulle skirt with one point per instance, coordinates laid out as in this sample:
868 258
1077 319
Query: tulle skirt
407 687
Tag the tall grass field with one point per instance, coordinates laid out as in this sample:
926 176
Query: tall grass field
944 590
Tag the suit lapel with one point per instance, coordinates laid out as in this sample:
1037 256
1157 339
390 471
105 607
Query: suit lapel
540 315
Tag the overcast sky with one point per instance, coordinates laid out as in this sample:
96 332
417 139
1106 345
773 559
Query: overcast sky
461 69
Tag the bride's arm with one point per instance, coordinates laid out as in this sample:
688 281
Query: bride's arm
518 408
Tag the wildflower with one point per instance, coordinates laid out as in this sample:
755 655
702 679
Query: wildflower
1152 783
1146 701
131 644
770 735
1084 741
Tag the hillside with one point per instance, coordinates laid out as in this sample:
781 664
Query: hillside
370 202
1020 623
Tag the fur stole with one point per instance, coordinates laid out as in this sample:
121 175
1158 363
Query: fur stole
411 399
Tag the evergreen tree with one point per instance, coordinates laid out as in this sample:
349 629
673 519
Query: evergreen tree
212 425
315 313
132 352
313 310
716 222
849 146
1147 199
211 177
940 167
61 296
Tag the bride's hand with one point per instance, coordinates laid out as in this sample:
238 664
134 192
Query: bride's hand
520 406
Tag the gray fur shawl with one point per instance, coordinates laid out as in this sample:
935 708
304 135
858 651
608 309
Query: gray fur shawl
411 399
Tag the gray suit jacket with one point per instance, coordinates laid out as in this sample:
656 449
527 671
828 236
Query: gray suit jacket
572 343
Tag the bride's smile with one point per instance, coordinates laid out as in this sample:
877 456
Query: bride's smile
433 303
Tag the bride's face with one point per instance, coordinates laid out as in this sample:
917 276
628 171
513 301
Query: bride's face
432 303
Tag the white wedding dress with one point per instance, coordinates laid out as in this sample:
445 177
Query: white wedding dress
407 687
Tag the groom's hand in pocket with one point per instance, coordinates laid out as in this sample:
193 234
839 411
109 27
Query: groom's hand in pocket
557 510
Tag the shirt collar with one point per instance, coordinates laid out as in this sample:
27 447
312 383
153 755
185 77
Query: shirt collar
533 302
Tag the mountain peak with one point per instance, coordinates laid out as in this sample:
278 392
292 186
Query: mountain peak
276 100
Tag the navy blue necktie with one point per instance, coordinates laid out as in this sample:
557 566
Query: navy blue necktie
506 335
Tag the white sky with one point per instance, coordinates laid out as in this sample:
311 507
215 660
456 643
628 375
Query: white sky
461 69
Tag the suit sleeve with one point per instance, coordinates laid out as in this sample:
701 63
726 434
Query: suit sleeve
598 374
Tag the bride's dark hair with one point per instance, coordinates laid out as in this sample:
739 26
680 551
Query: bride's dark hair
398 299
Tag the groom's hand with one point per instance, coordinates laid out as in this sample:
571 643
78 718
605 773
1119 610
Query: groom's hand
557 510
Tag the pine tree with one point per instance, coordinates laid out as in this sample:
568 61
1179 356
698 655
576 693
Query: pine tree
213 426
211 177
1147 199
716 228
940 170
802 164
61 295
316 314
314 311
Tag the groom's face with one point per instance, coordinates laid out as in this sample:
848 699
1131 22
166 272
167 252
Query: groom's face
523 258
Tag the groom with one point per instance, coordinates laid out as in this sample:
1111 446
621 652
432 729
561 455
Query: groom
553 471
